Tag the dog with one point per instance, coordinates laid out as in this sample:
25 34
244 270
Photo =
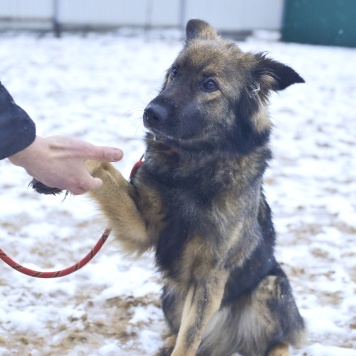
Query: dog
197 201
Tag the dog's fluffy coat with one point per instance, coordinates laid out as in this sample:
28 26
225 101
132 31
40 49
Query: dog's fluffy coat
198 202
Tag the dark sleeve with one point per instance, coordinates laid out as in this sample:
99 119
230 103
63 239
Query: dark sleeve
17 130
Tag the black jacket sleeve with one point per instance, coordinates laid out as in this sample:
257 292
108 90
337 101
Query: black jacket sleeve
17 130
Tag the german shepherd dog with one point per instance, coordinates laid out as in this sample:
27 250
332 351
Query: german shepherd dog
198 201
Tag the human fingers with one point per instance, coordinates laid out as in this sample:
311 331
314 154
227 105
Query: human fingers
83 150
105 154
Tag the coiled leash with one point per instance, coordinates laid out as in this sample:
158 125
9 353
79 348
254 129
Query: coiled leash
42 189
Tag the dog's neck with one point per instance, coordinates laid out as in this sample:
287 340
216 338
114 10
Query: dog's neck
189 153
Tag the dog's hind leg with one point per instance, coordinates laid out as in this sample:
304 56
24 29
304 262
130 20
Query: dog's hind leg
262 323
269 319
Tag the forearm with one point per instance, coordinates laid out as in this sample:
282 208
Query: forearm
56 161
17 130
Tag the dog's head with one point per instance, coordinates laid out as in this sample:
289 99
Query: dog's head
215 96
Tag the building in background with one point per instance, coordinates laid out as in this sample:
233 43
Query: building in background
327 22
225 15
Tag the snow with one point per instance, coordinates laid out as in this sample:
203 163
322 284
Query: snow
95 87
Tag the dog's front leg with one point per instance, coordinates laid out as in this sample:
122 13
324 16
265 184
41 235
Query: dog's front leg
203 300
116 198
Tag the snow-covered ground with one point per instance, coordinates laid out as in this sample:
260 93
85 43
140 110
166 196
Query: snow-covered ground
95 87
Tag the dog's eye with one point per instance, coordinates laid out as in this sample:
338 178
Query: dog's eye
174 72
210 85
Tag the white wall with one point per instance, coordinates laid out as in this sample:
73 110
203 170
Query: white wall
119 12
238 14
26 9
230 15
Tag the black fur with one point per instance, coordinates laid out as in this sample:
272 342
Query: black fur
41 188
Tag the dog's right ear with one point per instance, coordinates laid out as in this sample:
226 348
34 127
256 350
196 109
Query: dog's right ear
199 29
274 75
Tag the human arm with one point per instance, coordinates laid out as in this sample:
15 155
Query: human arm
56 161
17 130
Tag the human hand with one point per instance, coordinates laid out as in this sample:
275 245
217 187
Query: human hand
59 162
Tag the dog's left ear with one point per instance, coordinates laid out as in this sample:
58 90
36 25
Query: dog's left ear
273 75
199 29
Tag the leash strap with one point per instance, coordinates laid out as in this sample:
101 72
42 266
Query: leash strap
61 273
41 188
136 167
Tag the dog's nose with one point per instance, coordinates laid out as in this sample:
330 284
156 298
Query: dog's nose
154 115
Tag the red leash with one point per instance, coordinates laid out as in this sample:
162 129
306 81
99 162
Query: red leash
80 264
55 274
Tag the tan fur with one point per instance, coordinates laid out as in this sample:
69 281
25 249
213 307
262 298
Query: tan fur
279 350
115 198
261 120
205 291
168 346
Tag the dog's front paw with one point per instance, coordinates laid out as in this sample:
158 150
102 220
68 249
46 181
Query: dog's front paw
93 167
103 170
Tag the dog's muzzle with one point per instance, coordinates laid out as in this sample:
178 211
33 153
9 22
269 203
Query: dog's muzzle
154 116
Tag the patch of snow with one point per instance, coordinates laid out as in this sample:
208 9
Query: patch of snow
95 88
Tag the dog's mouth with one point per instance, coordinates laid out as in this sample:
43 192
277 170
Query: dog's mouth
165 138
165 133
175 138
168 140
156 133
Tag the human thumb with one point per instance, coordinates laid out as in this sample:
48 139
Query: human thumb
97 183
91 183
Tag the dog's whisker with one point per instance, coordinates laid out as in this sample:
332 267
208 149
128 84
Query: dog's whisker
130 112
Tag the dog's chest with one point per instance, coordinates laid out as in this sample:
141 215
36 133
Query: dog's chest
188 201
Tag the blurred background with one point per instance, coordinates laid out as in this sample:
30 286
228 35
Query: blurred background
93 83
326 22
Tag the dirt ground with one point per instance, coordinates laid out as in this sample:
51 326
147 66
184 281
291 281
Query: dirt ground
95 88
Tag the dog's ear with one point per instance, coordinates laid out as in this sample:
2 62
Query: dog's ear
273 75
199 29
